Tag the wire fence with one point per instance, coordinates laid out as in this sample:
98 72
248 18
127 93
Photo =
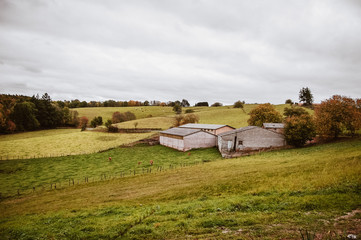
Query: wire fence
75 181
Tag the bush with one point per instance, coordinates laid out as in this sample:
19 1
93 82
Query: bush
217 104
189 111
238 104
113 129
184 119
97 121
289 101
122 117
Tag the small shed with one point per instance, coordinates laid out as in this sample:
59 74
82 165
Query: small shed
184 139
247 139
276 127
211 128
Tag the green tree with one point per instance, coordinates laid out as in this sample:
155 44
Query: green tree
185 103
264 113
289 101
177 108
24 116
97 121
306 97
294 112
299 128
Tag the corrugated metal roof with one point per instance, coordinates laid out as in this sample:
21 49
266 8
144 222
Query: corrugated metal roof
273 125
203 126
180 131
238 130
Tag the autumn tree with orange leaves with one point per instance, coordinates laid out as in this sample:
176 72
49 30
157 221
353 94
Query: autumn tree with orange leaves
337 115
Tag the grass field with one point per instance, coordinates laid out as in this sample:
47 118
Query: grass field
61 142
267 196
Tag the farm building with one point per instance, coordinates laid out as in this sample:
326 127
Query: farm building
247 139
185 139
211 128
276 127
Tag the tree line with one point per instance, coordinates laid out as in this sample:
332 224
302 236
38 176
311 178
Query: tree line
23 113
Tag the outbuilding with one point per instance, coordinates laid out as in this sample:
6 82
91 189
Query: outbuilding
211 128
185 139
248 139
276 127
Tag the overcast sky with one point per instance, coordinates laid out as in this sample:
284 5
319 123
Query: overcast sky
200 50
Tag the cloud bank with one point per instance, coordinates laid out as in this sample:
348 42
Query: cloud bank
200 50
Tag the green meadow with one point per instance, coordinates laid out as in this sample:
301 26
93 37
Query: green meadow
74 192
271 195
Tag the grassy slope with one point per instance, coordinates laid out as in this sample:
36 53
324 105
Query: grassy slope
25 174
270 195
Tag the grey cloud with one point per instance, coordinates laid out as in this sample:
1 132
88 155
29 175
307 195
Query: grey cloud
259 51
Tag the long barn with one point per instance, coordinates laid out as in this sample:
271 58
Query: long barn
184 139
247 139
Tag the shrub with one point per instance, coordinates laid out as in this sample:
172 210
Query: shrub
189 111
113 129
217 104
122 117
97 121
184 119
238 104
289 101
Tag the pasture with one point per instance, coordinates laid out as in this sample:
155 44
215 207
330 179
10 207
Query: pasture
61 142
271 195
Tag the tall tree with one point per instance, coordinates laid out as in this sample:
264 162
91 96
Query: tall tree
306 96
264 113
299 128
24 116
185 103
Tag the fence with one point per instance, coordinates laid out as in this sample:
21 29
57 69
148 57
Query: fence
69 182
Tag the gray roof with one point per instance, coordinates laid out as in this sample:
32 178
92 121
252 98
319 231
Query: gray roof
273 125
238 130
203 126
180 131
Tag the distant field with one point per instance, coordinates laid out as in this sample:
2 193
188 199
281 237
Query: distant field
162 117
61 142
271 195
140 112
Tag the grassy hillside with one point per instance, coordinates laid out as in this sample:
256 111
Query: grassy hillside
61 142
270 196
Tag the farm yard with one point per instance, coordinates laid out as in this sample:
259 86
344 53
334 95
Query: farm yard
154 192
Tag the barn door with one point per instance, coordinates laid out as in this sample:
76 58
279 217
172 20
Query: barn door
235 143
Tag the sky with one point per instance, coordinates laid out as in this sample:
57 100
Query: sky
256 51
